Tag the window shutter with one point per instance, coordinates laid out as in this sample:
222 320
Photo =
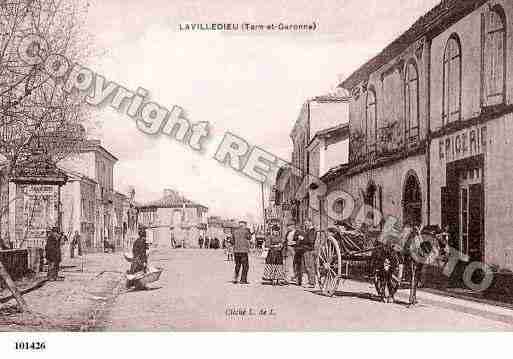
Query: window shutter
475 229
443 207
380 198
493 58
450 213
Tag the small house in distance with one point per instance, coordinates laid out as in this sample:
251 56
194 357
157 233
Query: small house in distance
173 220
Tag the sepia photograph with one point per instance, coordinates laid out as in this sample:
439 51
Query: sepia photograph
195 166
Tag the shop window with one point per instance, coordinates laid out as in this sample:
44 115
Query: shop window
452 81
494 57
371 122
412 103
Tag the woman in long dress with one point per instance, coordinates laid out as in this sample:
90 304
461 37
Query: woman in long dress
273 271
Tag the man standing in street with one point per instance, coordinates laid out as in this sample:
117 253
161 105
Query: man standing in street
241 237
291 240
75 243
308 246
53 253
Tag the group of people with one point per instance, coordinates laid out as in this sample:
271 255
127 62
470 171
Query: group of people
210 243
291 254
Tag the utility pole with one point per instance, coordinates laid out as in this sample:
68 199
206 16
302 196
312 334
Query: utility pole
263 208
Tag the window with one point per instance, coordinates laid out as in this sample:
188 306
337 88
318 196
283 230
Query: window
452 81
371 122
494 56
412 103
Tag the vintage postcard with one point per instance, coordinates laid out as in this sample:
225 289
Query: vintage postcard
228 166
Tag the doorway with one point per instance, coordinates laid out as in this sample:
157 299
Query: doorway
471 212
462 206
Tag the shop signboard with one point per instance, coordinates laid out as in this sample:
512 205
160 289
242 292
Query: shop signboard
462 144
39 211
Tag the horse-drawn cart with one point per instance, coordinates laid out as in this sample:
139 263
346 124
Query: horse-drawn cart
340 248
336 250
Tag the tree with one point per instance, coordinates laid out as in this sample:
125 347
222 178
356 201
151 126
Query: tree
37 116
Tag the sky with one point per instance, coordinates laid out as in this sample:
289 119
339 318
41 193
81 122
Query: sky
251 84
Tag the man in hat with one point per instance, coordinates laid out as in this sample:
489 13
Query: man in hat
241 238
292 237
53 253
309 257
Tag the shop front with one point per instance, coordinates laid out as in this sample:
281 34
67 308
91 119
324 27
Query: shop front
458 180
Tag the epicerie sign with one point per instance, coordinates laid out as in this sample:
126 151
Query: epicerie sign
462 144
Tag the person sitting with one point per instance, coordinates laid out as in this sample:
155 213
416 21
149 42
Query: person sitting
140 257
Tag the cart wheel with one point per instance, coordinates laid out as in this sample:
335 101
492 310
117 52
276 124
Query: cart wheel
329 266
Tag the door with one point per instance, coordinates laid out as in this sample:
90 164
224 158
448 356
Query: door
471 200
412 202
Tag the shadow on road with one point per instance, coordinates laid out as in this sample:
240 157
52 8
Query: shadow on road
148 289
360 295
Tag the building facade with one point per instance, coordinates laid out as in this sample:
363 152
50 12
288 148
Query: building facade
471 112
327 149
97 217
430 122
316 114
79 199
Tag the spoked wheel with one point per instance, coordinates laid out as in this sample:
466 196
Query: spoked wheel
329 265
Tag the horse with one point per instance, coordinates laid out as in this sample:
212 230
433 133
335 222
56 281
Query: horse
426 246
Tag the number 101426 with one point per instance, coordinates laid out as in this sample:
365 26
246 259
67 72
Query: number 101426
30 346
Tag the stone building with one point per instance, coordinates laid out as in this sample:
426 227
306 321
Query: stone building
174 217
327 149
316 114
430 127
92 165
79 199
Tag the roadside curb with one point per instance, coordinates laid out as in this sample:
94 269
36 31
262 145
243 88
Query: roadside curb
483 310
